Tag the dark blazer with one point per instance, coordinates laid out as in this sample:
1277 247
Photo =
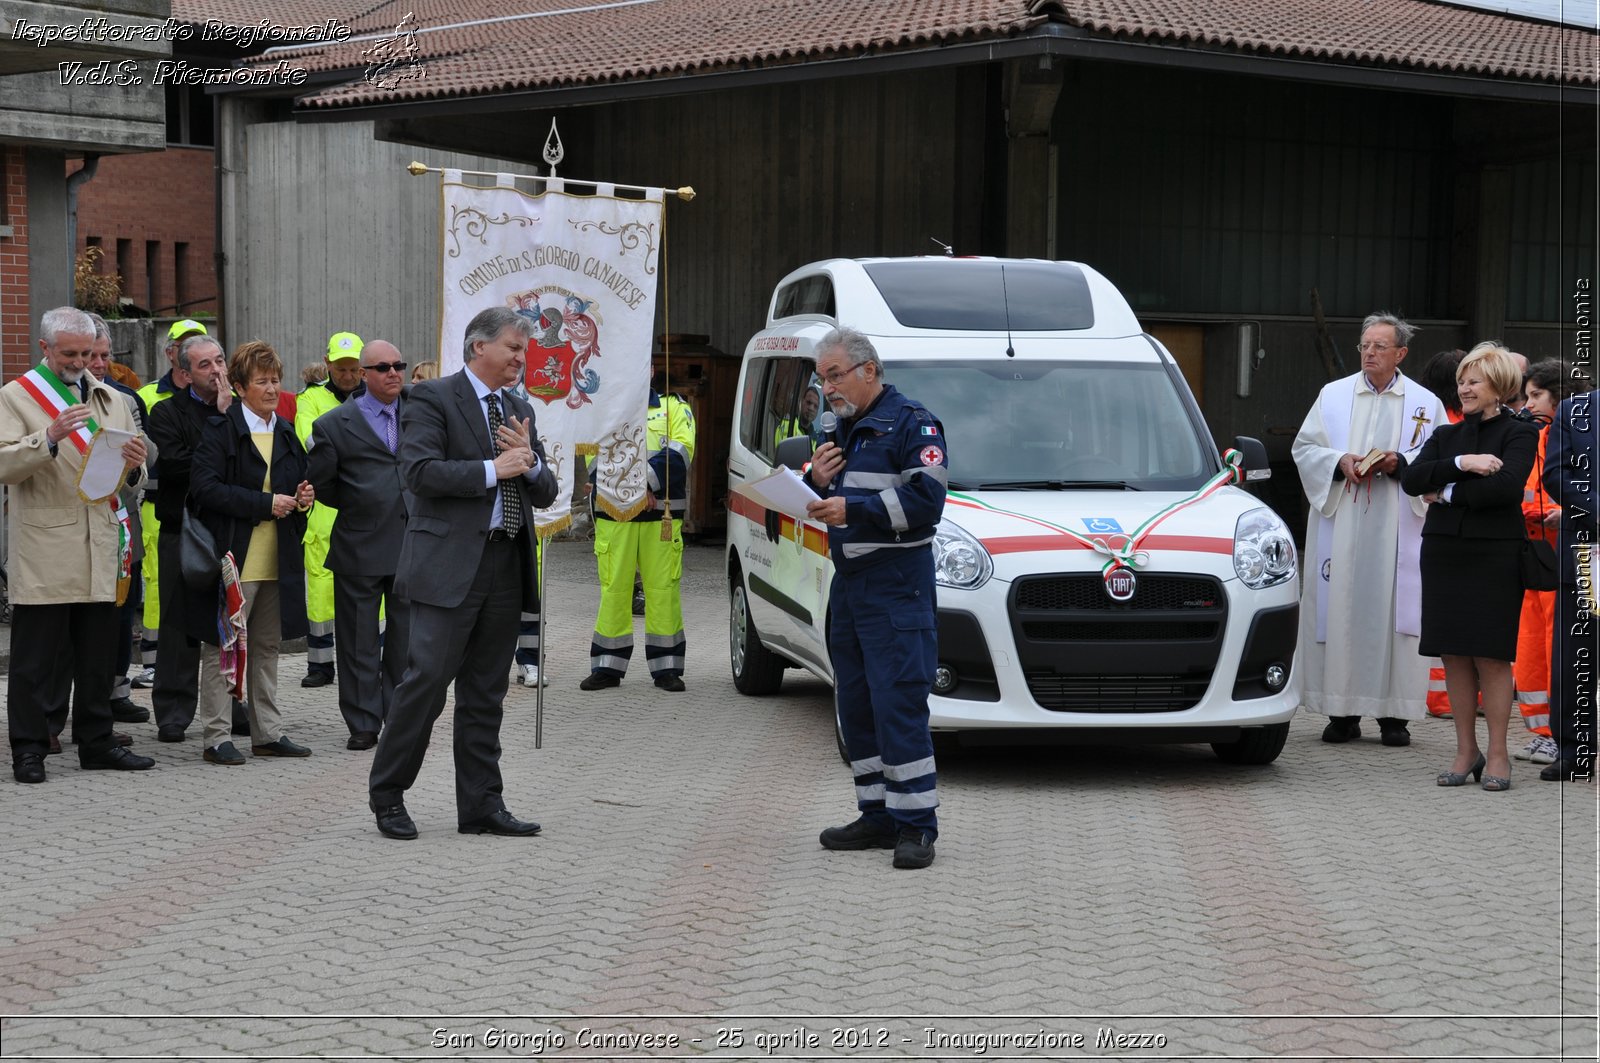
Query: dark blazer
1480 507
1569 472
354 472
444 441
225 494
176 425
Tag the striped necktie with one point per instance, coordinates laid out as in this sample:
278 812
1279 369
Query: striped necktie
510 498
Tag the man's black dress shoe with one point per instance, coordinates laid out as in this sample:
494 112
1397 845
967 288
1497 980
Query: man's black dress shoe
1393 732
124 710
672 683
362 740
1342 729
599 681
501 822
394 821
116 759
28 767
169 734
1559 771
316 679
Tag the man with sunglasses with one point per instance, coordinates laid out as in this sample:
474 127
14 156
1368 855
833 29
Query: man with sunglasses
355 467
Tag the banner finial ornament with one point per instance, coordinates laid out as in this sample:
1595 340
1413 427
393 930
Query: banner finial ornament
554 151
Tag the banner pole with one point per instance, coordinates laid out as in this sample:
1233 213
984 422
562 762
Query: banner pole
685 193
538 687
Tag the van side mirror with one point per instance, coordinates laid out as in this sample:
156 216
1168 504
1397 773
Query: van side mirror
796 451
1256 466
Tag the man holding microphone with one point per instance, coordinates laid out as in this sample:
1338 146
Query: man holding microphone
882 476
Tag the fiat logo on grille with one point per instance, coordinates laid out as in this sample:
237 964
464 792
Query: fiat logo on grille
1120 584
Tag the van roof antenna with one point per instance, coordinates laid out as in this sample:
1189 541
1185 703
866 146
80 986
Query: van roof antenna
1005 297
949 252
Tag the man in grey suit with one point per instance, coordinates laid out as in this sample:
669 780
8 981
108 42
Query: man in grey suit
354 456
476 470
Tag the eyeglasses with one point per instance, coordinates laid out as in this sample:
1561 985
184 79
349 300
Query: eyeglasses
834 378
386 367
1375 348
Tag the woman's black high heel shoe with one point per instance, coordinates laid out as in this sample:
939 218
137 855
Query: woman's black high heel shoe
1459 778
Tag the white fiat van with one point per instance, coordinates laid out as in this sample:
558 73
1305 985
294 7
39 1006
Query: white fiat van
1094 576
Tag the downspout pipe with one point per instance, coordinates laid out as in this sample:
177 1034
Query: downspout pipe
91 163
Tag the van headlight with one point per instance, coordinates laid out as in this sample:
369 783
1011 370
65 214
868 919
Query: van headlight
959 560
1263 553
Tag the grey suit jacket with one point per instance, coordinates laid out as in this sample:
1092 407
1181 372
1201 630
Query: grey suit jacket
444 442
353 471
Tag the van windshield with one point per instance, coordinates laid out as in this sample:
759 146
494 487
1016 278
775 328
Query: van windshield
1061 424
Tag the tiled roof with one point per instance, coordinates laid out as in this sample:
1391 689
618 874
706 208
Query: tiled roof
1409 33
472 47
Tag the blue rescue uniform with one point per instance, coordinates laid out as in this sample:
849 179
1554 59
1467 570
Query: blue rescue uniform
883 639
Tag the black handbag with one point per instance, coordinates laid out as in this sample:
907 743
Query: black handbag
197 554
1538 559
1538 565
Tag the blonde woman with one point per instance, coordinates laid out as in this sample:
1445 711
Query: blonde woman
1472 475
425 371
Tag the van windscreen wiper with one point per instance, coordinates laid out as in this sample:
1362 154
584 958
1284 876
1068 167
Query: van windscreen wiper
1057 485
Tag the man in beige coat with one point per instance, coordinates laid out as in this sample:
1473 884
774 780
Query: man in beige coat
66 553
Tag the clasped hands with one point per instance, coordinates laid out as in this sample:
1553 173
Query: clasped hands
304 495
516 449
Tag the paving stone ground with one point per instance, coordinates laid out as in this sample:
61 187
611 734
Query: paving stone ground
1335 904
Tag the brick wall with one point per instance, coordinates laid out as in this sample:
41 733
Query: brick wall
16 332
156 202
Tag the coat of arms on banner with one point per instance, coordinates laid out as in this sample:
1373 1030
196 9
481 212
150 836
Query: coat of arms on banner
566 339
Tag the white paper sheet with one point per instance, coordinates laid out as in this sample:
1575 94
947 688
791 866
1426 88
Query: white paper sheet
783 491
103 467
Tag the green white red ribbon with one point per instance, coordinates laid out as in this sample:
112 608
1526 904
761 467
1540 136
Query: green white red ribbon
1125 551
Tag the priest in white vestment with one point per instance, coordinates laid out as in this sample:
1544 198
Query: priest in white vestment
1361 608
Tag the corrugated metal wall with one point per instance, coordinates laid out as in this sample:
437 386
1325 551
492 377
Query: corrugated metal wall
1551 221
336 236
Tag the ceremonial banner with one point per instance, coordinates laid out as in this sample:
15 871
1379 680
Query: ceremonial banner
582 268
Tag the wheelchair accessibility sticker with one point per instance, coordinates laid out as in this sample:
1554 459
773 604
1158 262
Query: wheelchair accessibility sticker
1102 525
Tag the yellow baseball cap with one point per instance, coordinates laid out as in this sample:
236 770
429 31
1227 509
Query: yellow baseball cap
187 327
342 345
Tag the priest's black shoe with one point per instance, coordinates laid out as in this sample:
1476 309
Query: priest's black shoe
28 767
1342 729
124 710
501 822
117 758
1394 732
599 681
394 821
362 740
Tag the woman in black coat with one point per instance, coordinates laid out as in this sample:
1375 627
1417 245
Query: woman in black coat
1473 474
257 513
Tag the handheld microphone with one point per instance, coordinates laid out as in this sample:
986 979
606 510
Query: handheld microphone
828 422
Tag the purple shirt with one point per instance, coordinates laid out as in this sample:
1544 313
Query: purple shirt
373 410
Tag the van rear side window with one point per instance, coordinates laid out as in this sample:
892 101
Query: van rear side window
808 295
966 296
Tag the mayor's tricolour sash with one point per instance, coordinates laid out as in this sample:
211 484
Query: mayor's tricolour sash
54 397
